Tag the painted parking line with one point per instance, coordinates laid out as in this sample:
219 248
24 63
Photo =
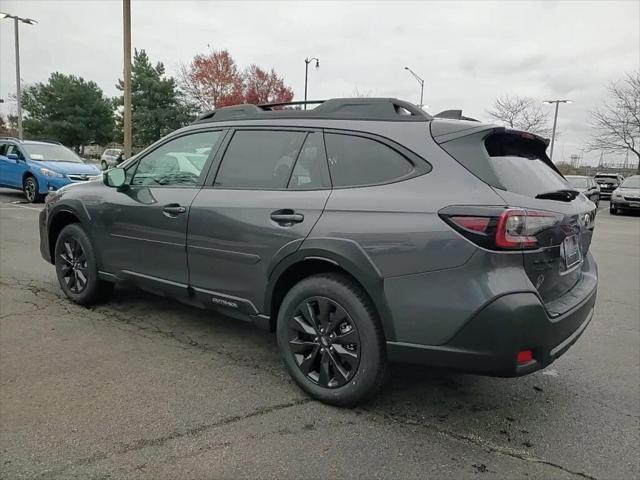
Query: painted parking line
13 206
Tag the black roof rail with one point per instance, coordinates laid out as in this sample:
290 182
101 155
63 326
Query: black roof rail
272 106
454 115
388 109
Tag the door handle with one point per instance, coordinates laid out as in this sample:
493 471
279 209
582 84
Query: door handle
173 209
286 217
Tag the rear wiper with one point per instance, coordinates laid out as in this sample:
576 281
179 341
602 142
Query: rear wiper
564 195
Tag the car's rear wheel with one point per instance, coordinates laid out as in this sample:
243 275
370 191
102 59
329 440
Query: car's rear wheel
30 188
77 268
331 340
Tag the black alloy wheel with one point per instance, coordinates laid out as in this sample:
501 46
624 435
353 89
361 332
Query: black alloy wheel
74 266
77 267
30 188
324 342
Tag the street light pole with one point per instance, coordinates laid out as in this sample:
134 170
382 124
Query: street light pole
307 61
18 93
421 82
28 21
126 16
555 122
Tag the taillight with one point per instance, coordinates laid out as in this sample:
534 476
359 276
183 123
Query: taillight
475 224
500 229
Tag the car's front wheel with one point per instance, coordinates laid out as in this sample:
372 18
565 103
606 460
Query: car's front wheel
331 340
30 188
613 210
77 268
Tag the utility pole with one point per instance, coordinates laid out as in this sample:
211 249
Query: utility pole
555 122
126 15
28 21
307 61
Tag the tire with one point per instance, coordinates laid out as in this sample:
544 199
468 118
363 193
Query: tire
104 165
75 259
30 189
337 372
613 210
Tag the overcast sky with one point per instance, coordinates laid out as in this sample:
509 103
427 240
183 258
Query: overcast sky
468 52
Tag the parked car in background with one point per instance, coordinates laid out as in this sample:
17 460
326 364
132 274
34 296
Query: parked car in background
586 186
38 167
111 157
362 231
608 182
626 197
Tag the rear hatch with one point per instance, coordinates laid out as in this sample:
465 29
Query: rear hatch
607 183
547 219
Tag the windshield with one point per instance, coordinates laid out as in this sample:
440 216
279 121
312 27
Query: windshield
578 182
51 152
632 182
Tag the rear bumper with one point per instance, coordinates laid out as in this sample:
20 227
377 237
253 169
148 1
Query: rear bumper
489 343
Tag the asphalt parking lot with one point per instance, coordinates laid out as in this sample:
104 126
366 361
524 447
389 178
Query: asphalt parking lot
143 387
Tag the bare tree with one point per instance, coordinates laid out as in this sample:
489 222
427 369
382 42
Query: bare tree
522 113
356 92
616 123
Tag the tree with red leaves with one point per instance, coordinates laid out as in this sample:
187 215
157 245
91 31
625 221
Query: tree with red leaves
213 80
261 86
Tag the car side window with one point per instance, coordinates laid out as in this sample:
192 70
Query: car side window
357 161
310 171
259 159
179 162
3 148
15 150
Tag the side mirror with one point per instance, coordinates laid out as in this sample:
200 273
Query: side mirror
115 177
13 156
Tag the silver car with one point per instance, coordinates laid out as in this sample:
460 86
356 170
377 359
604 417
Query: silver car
626 197
111 157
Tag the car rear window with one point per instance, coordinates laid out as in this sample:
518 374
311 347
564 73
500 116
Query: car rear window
356 161
606 179
578 182
509 161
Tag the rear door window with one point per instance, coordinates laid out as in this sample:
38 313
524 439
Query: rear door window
357 161
259 159
311 171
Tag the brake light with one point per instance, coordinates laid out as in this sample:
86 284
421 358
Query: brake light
499 229
512 231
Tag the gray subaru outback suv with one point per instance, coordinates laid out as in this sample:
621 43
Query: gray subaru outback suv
362 231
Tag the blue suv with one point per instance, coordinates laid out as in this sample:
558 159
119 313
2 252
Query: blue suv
38 167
